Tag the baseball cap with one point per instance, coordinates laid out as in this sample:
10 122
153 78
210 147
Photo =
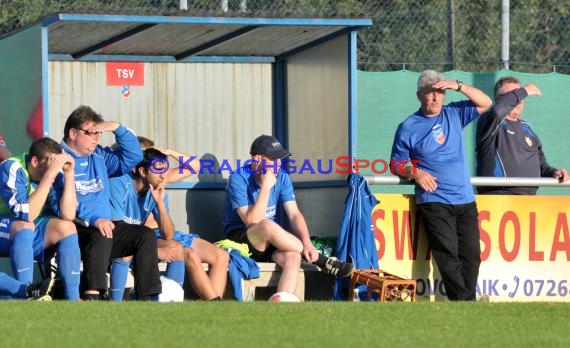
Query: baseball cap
269 147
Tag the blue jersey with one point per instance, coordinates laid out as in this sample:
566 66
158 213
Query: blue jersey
92 173
437 143
129 205
242 190
134 208
16 187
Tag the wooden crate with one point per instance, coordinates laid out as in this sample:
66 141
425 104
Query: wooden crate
389 287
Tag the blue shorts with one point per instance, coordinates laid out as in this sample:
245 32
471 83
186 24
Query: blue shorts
183 238
40 253
41 222
5 223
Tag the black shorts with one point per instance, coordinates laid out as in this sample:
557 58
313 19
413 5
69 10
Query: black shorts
240 236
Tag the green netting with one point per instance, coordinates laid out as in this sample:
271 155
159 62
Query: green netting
387 98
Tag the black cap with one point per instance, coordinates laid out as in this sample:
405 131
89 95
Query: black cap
269 147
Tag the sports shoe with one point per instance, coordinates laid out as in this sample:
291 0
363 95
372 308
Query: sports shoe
40 291
339 269
94 297
483 298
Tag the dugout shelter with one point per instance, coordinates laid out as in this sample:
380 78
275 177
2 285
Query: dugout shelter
206 86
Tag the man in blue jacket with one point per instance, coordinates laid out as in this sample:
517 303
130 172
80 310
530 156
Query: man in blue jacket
508 146
100 238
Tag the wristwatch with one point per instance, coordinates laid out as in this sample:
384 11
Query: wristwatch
459 85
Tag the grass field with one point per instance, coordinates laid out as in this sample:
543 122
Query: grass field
263 324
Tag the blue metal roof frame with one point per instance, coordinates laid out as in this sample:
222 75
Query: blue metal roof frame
187 39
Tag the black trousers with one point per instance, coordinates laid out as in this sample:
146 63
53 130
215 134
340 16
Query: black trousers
453 236
128 239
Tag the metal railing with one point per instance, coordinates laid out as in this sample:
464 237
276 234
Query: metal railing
475 181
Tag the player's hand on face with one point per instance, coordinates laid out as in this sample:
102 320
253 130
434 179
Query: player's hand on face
266 170
157 193
268 179
56 162
105 227
69 164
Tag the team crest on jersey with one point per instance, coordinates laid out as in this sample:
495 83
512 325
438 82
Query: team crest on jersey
528 141
437 134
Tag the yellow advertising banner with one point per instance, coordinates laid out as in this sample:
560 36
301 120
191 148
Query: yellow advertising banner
525 247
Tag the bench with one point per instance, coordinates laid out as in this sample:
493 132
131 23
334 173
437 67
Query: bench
264 286
252 289
269 275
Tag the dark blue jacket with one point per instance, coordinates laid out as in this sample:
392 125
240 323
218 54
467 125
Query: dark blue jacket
356 241
241 267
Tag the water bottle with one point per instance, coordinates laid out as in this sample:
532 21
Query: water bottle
356 297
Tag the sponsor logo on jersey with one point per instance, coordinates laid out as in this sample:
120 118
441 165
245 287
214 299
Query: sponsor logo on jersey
89 186
270 212
131 220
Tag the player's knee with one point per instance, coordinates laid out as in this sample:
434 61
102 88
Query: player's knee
292 259
178 251
19 225
267 227
298 246
126 259
192 259
62 228
222 258
147 237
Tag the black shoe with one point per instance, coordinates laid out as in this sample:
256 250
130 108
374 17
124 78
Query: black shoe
339 269
40 291
93 297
